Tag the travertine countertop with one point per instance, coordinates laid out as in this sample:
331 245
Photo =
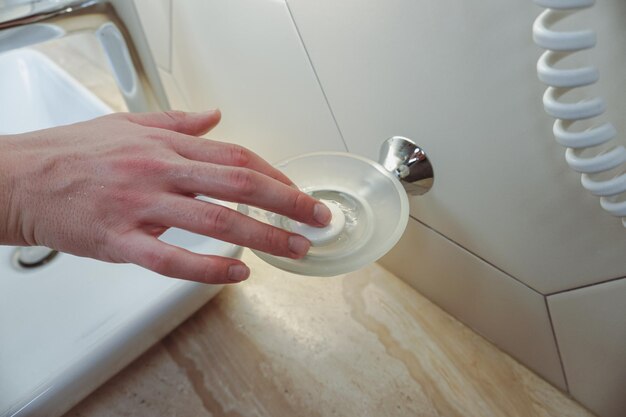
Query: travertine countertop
363 344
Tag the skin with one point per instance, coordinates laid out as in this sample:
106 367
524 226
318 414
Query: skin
109 187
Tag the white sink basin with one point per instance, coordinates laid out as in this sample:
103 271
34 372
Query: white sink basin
69 325
35 94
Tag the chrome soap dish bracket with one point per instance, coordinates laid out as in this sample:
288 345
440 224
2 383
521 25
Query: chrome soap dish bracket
409 163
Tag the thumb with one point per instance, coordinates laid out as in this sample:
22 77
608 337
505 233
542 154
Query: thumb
195 124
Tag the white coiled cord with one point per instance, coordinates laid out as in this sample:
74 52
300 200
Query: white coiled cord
559 45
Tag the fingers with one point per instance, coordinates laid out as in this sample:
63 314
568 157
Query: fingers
242 185
197 124
221 153
229 225
194 124
147 251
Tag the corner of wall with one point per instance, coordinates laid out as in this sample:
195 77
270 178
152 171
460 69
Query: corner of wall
503 310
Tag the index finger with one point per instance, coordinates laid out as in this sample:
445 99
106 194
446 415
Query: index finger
246 186
222 153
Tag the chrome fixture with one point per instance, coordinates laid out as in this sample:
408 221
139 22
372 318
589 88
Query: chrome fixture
409 163
116 25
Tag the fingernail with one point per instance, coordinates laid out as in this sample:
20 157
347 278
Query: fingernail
210 112
237 273
321 214
298 245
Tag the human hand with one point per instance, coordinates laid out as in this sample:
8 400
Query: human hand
109 187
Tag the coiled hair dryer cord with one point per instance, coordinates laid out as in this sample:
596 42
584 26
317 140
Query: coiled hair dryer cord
592 151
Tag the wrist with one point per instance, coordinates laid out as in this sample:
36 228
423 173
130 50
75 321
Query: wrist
9 211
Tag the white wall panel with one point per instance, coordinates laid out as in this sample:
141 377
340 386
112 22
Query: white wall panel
245 57
458 76
174 95
155 19
591 333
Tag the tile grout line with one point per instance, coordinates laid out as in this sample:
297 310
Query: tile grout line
319 83
171 40
476 255
548 294
580 287
556 342
545 299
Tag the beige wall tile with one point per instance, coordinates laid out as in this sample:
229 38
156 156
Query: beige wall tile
176 98
156 21
500 308
459 78
245 57
591 332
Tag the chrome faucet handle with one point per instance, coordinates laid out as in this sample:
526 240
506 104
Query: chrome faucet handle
409 163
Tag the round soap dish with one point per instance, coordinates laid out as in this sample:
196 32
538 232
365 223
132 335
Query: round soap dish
370 212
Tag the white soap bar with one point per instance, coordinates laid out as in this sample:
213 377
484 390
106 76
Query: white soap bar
319 236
